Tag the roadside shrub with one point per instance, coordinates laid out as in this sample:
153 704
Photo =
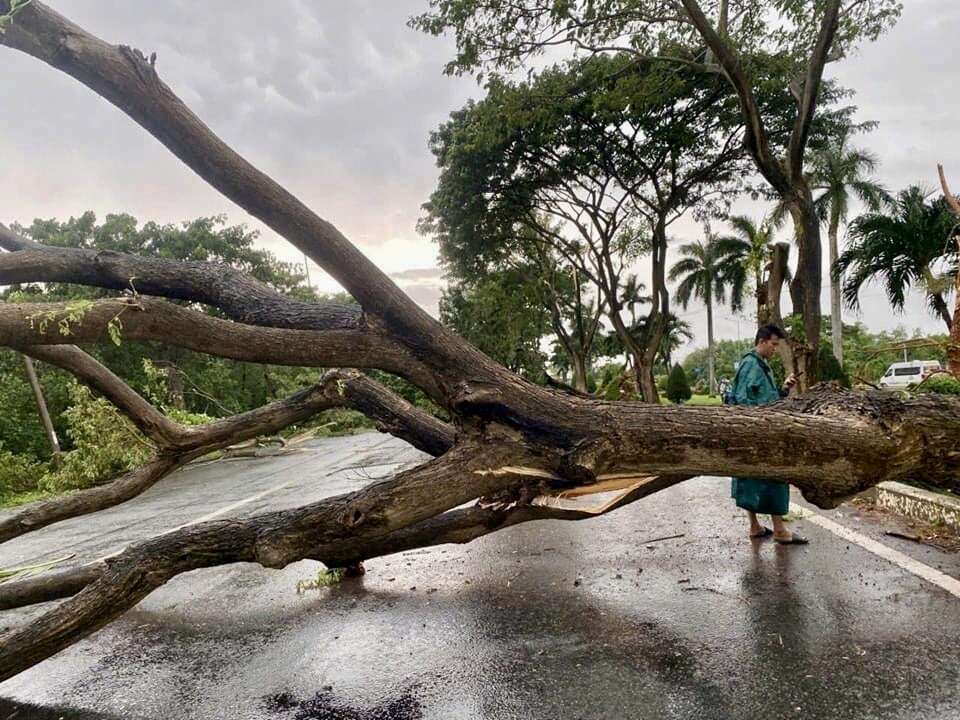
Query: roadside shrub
19 473
661 382
830 368
678 389
941 383
105 444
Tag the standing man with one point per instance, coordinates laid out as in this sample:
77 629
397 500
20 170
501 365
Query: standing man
754 385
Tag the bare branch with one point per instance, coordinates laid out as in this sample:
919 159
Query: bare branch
756 138
948 196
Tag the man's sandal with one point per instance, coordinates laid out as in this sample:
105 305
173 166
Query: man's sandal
765 532
794 540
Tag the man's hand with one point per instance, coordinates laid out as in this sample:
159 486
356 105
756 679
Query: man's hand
790 381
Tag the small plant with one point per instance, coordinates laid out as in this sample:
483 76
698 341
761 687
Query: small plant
678 389
18 473
105 443
941 383
325 578
71 315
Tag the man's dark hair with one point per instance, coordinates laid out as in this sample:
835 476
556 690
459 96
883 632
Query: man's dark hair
767 332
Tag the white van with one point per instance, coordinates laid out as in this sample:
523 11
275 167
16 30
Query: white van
899 375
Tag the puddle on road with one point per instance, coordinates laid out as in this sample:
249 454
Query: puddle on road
324 706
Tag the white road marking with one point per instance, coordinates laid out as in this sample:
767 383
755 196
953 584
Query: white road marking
228 508
239 503
904 562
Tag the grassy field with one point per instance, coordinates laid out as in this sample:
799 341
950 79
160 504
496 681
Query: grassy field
698 400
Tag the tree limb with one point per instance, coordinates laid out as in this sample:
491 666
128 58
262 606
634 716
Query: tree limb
273 540
239 296
127 79
455 526
811 89
757 139
143 318
948 196
178 444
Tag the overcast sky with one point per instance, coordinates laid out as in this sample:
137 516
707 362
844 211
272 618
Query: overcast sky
335 100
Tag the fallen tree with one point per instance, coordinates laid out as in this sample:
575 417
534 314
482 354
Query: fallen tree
509 439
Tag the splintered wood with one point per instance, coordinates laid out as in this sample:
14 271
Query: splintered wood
596 498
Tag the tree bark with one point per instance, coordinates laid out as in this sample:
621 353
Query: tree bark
41 405
805 287
711 362
178 445
836 282
953 350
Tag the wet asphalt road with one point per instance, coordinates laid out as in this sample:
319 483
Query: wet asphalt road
544 620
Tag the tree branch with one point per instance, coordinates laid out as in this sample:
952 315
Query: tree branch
142 318
178 444
758 142
811 89
127 79
239 296
273 540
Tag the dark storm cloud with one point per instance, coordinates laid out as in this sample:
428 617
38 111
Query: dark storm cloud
333 99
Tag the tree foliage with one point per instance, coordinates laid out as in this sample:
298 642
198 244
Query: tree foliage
678 389
909 246
503 315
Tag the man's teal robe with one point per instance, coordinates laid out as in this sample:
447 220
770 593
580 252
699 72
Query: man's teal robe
755 385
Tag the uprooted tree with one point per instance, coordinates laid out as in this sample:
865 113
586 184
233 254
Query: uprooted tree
507 436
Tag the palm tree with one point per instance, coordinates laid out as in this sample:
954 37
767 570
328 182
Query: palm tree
841 173
676 333
706 271
751 243
911 246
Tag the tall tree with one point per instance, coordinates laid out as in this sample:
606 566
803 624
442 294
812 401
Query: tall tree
841 173
751 243
771 52
910 246
597 160
510 437
707 271
502 313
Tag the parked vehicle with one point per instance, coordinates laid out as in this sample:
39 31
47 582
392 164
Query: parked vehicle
902 374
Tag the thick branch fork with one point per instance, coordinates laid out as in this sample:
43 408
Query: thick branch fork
177 444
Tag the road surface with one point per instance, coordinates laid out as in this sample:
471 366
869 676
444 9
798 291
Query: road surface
583 620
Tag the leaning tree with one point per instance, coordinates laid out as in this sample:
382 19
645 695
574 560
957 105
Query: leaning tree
507 437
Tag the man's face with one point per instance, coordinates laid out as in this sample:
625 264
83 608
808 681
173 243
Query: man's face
768 348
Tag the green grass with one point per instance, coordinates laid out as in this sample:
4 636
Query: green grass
698 400
12 501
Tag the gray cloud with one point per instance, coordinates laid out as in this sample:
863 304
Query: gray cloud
430 273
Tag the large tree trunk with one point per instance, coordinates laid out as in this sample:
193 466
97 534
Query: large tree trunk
579 363
805 287
836 321
953 350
